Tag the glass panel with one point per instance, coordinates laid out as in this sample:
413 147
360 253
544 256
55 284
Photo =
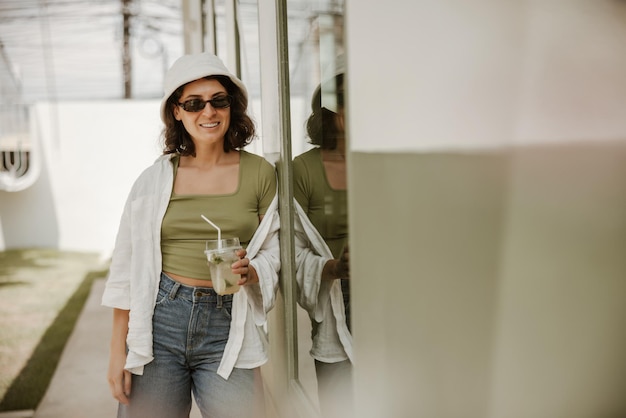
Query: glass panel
319 148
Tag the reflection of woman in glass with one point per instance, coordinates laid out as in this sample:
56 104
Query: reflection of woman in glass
322 267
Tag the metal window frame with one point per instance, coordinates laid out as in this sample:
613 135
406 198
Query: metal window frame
275 86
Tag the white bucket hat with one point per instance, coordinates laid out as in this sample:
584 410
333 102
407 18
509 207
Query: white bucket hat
328 87
193 67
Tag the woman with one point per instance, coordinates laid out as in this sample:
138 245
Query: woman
172 333
322 257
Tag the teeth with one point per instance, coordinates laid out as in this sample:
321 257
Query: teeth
209 125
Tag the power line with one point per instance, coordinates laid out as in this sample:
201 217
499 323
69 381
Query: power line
78 44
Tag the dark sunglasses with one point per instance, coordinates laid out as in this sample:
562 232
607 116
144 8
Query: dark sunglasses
198 105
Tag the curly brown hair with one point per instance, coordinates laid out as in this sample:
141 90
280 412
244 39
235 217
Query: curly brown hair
240 132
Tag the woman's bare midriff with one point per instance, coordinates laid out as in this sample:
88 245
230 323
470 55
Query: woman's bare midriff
188 281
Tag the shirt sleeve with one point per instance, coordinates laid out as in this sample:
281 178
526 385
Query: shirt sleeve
117 289
264 254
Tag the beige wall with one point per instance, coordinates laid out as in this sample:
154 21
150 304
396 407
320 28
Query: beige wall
490 170
503 296
560 335
426 253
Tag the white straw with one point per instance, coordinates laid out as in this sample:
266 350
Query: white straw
219 231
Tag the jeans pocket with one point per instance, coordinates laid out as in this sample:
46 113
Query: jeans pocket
162 296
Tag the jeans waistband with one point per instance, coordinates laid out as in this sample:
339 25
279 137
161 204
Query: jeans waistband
192 293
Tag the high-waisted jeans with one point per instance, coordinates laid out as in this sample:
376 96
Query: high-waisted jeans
190 331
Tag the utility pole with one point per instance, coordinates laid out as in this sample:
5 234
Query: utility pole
126 54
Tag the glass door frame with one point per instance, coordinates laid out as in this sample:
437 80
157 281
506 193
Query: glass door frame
276 97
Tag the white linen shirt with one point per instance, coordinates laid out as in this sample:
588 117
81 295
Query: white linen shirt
322 299
134 275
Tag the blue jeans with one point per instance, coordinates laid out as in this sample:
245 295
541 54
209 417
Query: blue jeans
190 331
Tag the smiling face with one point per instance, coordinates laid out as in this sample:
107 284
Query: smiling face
210 125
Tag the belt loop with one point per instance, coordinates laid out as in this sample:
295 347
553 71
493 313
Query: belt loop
219 301
174 290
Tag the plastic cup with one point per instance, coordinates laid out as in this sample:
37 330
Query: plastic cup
221 254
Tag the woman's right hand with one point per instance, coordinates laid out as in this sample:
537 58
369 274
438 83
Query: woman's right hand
119 378
342 267
338 268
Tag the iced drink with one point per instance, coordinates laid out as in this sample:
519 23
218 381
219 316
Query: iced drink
220 256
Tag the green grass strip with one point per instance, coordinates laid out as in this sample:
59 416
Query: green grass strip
29 387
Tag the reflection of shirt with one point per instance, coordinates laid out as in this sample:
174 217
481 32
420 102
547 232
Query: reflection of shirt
326 208
322 299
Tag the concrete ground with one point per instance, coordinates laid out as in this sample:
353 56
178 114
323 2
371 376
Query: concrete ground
79 387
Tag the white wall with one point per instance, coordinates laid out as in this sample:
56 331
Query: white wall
92 152
433 75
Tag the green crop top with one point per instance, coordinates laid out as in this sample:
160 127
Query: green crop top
184 232
326 207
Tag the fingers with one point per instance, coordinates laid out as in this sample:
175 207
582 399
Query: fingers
343 265
241 266
246 270
120 388
127 382
342 268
